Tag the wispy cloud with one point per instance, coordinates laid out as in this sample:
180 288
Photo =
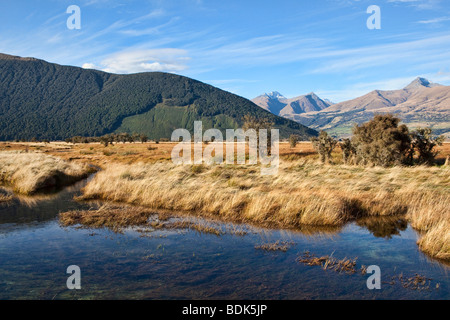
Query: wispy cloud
419 4
436 20
149 31
416 52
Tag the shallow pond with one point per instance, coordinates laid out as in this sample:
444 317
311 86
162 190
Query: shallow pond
35 252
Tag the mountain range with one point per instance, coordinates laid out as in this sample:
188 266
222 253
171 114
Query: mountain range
276 103
422 103
48 101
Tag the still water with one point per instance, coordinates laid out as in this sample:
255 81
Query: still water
35 252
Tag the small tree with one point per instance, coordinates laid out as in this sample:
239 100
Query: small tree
104 140
348 150
381 141
324 145
135 137
143 138
423 142
293 139
252 122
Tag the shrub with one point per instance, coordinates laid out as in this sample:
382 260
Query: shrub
143 138
324 145
348 150
252 122
381 141
293 139
424 144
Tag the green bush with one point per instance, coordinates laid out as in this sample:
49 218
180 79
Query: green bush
382 141
423 143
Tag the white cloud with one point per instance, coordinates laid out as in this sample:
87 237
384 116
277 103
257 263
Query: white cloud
140 60
89 66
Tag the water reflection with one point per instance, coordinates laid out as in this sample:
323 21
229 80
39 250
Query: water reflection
384 227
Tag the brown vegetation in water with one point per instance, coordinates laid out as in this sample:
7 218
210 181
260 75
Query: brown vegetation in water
275 246
119 217
330 263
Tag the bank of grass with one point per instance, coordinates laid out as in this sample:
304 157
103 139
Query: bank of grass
436 240
304 193
30 172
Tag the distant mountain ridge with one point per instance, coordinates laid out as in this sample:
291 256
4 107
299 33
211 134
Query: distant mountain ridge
49 101
289 108
421 103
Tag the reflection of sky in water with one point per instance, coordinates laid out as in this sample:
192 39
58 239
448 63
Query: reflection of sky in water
35 252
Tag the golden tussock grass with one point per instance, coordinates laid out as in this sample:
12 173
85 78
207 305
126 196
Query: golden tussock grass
27 173
436 241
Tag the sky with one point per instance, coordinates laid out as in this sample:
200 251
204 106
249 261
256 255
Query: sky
247 47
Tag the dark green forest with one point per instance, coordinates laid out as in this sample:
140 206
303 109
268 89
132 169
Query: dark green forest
48 101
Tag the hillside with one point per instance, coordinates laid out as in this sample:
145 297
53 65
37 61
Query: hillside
50 101
289 108
421 103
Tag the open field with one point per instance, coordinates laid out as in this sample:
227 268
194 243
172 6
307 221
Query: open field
150 152
304 193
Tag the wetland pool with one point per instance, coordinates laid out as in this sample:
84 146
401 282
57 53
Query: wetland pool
35 251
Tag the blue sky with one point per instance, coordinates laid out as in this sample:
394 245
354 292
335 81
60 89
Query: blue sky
247 47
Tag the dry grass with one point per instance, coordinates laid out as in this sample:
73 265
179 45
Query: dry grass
436 242
28 173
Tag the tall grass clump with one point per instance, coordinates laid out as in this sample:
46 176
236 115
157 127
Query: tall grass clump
28 173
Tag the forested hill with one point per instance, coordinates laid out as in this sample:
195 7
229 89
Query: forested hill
49 101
